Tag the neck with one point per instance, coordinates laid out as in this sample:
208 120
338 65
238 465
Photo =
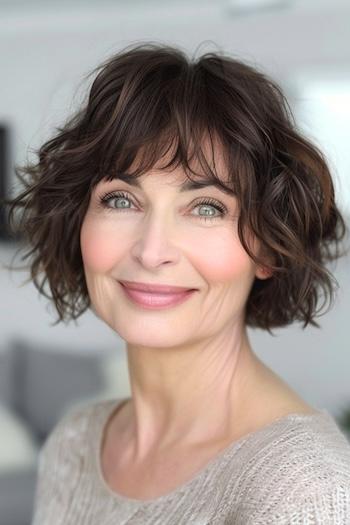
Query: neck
190 396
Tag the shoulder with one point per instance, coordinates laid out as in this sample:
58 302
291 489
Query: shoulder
316 454
67 438
316 444
63 458
310 451
302 469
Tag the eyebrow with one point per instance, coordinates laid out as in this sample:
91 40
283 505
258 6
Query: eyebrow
188 185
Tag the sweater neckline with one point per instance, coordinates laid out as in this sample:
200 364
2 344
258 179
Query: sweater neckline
105 412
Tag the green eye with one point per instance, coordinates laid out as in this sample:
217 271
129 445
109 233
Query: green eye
207 202
214 205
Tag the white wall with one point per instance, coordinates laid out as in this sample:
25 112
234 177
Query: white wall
44 54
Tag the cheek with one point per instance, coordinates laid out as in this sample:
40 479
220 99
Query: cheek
99 248
218 255
223 258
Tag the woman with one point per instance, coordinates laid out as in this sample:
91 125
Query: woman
182 205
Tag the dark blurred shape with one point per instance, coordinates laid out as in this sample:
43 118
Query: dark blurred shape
17 493
5 233
48 379
3 177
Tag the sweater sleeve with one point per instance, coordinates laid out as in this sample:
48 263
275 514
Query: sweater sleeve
326 507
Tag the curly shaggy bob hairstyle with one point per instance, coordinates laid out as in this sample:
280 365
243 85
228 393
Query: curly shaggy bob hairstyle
150 96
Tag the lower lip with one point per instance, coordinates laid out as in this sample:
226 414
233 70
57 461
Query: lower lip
156 301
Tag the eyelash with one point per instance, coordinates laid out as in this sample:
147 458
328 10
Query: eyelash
206 201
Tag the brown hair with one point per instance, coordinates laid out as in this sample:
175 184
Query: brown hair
149 96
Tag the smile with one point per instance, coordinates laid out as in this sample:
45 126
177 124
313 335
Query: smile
156 301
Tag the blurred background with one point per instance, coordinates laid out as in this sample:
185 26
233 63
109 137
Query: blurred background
46 48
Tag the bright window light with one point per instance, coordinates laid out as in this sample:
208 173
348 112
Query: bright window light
323 109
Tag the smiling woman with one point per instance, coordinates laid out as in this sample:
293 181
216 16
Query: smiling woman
182 205
163 218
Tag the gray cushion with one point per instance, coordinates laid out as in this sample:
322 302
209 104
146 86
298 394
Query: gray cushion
7 384
17 492
49 379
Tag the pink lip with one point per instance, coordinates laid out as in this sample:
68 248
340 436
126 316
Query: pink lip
156 301
154 288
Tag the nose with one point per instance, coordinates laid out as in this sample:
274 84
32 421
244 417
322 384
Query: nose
154 244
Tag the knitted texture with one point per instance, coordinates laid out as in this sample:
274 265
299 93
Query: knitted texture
294 471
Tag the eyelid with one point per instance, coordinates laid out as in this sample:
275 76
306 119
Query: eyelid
130 196
127 195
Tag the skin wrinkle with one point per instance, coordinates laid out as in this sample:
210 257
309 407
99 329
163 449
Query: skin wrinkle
185 361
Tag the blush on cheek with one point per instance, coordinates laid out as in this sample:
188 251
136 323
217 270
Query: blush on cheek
226 266
99 250
222 258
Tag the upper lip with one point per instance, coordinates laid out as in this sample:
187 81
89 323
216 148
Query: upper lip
153 288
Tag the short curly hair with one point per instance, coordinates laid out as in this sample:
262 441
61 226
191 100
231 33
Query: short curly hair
148 96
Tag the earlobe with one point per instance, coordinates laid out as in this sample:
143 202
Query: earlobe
263 272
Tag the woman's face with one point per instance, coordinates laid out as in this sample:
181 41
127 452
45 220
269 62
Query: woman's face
156 233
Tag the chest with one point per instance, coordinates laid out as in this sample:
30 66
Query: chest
157 476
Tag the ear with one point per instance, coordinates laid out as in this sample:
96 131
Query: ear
263 272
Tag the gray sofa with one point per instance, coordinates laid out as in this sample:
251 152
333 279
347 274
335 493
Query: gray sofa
37 386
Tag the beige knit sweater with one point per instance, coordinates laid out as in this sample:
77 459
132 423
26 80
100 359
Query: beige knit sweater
295 471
